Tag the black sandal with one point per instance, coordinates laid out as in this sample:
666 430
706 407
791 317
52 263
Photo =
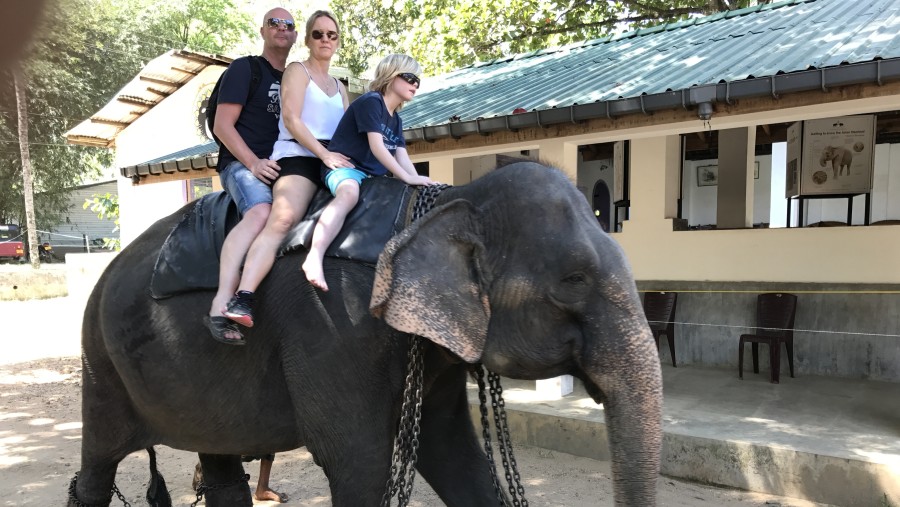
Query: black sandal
218 326
240 308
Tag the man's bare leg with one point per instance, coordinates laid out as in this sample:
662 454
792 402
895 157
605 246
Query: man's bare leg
263 491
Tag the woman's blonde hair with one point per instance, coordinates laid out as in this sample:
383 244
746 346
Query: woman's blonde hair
390 67
312 21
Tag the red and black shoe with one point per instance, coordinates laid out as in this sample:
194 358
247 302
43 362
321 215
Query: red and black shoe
240 308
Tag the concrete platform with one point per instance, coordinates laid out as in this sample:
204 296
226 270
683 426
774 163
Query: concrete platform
828 440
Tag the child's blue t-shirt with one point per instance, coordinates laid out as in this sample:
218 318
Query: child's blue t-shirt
367 114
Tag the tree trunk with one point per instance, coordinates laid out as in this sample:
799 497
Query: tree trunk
27 180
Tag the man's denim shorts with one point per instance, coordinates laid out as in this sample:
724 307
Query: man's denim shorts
246 189
335 177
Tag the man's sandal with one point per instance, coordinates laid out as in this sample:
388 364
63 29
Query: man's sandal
219 327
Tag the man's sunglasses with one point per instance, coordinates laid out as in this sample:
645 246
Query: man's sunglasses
331 35
410 78
277 22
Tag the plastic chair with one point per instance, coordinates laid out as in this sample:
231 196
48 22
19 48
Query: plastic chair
659 308
774 326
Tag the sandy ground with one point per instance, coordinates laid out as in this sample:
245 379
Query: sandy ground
40 438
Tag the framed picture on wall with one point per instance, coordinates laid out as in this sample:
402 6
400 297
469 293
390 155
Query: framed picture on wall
707 175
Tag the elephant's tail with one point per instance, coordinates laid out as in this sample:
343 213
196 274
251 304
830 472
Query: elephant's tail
157 493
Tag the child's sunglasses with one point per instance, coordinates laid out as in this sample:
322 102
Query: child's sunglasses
410 78
318 35
277 22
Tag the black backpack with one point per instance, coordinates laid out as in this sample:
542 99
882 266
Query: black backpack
212 103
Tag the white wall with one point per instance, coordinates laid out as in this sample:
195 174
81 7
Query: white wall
698 204
170 126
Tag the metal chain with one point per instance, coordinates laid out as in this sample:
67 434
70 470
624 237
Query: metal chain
202 488
78 503
486 432
425 199
506 449
406 443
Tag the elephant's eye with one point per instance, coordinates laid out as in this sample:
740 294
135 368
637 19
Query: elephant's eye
575 279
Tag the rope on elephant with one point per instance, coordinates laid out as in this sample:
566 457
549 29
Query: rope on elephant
795 330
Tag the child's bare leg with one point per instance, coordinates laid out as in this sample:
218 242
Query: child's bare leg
330 223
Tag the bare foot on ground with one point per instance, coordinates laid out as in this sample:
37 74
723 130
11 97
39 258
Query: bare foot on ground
270 495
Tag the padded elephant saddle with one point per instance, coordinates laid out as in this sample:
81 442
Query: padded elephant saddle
189 258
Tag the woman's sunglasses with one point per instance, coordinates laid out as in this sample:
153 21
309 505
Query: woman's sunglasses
410 78
331 35
277 22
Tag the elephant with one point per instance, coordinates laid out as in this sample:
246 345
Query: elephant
511 271
840 159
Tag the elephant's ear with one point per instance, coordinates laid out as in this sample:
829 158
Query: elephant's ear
429 282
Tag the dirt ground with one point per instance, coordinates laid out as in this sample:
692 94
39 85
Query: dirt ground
40 438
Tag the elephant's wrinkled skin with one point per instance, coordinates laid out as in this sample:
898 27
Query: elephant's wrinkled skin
512 270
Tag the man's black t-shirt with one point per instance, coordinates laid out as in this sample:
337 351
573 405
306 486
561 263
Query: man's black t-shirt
258 121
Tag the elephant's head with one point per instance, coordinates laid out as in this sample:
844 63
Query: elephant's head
827 154
514 271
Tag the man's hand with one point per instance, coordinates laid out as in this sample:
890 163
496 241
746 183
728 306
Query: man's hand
266 170
334 160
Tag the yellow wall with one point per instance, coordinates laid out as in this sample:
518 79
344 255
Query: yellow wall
656 252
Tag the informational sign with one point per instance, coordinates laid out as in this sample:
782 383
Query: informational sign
837 155
618 171
793 150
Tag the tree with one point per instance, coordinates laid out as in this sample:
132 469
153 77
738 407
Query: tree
106 207
27 182
82 54
211 26
447 34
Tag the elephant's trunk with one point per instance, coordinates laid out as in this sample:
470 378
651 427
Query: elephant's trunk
628 381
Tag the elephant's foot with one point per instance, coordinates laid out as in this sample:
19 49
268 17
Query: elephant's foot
231 494
73 500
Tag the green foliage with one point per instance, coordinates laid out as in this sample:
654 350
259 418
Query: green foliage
106 207
211 26
83 53
447 34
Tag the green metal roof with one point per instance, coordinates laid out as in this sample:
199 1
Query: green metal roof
716 58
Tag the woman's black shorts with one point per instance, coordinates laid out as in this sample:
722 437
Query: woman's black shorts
308 167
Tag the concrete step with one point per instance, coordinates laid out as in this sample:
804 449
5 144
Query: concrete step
828 440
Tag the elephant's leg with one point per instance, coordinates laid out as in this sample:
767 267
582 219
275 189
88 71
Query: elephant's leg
450 454
223 478
111 429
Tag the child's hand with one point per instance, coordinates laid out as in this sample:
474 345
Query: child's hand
420 180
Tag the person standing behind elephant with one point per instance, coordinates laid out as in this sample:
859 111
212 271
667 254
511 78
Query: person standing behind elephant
312 103
247 129
371 134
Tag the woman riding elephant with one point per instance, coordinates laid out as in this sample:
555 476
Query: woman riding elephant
511 270
312 103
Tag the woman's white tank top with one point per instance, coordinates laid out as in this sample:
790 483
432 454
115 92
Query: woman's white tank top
321 115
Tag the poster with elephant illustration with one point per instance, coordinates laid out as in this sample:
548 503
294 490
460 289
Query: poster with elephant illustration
837 155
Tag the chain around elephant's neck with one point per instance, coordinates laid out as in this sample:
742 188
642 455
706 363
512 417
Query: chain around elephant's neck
425 198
